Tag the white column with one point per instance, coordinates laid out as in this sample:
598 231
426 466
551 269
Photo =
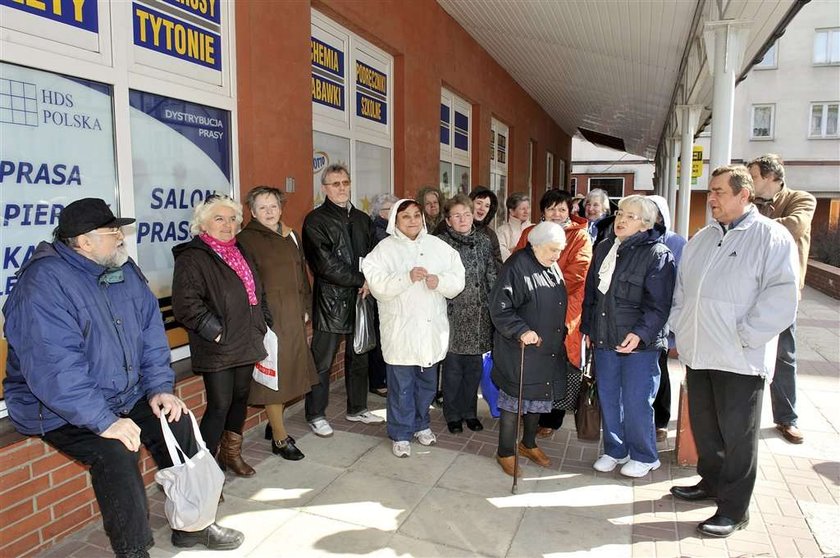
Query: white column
689 117
725 44
673 143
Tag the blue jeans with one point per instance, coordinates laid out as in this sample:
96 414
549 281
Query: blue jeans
411 390
627 386
783 387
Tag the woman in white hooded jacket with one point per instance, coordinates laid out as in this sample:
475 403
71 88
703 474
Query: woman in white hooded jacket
411 274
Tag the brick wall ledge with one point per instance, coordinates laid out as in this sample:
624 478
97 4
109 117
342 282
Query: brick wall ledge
823 277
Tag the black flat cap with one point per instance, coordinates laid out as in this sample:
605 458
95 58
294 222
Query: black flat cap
85 215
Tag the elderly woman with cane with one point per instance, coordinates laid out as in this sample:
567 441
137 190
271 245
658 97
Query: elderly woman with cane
528 352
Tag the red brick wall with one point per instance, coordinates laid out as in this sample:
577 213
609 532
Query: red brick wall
823 277
45 496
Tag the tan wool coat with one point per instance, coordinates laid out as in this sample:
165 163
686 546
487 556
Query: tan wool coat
794 209
282 269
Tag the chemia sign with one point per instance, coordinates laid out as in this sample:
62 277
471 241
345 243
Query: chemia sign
320 160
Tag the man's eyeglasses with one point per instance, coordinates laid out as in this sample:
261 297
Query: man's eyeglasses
106 233
340 183
629 216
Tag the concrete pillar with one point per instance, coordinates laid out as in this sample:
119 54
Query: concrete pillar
673 143
689 116
725 43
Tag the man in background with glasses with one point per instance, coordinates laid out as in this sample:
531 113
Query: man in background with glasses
336 236
88 370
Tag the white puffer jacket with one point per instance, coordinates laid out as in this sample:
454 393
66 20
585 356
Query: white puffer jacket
414 329
734 295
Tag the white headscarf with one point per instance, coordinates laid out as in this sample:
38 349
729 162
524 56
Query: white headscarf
607 268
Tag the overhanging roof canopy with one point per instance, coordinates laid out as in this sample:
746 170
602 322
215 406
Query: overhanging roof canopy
614 67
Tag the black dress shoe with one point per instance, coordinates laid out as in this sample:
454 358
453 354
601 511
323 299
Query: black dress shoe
288 450
214 537
721 527
455 426
474 424
692 493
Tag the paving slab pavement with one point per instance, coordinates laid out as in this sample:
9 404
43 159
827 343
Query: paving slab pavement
351 497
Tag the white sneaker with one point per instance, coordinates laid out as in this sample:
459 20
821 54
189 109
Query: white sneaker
638 469
366 417
320 427
401 449
605 463
425 437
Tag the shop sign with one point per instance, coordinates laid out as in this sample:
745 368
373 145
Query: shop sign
327 74
371 93
175 37
180 155
58 146
82 14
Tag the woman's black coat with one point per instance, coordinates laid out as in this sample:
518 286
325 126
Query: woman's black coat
529 296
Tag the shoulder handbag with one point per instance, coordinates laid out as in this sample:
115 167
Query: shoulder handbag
192 485
588 415
364 332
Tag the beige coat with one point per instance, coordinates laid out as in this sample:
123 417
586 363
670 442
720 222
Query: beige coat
280 264
794 209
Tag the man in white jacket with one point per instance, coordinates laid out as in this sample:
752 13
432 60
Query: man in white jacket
736 291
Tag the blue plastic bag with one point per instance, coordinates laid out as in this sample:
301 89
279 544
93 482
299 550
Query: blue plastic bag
488 389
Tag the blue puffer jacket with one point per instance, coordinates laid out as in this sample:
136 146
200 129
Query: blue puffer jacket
81 350
639 297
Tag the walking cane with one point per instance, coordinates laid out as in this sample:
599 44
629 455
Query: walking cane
515 489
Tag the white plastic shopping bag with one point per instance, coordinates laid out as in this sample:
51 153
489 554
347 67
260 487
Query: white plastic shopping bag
266 371
192 485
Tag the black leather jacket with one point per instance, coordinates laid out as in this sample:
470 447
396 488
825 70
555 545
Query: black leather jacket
334 238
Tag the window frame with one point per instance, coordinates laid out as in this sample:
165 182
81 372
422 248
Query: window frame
774 65
589 185
823 120
450 154
833 35
772 130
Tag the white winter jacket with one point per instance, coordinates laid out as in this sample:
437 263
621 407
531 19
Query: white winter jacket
413 327
734 294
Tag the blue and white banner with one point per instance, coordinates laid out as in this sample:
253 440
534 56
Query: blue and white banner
175 37
180 155
57 141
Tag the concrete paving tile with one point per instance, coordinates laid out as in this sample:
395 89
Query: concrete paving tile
257 521
824 522
466 521
366 499
402 546
341 450
570 534
482 476
283 483
312 535
425 466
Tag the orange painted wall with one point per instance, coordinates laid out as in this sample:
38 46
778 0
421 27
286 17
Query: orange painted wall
430 51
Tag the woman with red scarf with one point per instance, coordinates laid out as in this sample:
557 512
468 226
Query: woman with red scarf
217 296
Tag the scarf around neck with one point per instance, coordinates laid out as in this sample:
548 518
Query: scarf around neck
231 255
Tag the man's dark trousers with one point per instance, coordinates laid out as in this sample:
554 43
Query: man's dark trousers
324 347
115 473
725 412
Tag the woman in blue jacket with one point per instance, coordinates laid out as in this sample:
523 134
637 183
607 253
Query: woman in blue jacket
628 297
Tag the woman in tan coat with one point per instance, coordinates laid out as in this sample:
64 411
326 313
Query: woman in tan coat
279 258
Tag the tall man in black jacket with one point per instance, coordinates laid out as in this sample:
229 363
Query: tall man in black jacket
335 236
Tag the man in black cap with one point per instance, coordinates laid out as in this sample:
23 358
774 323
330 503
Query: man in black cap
88 370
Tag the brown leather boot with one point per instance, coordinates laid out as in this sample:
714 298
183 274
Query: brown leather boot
507 463
230 455
535 454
